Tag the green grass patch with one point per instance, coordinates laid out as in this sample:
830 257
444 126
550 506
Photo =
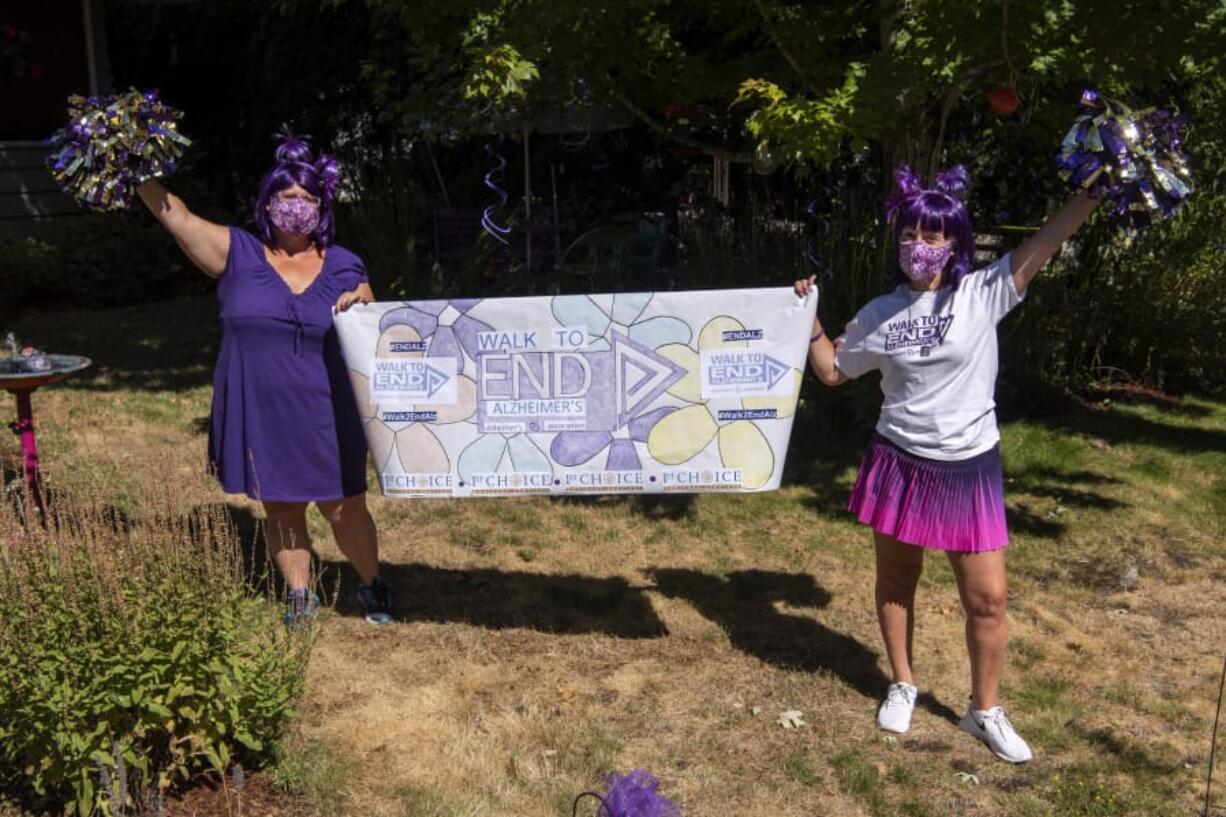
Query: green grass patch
312 769
858 778
421 801
799 769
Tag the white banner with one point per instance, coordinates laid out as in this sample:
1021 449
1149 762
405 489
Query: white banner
665 392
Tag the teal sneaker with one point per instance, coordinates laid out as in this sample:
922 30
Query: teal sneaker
300 607
377 602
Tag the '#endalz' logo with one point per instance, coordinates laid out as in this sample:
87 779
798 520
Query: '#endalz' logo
408 346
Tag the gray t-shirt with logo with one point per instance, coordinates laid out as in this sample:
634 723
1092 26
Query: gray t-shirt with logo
938 360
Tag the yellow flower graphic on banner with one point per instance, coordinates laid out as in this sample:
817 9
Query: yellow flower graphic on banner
685 433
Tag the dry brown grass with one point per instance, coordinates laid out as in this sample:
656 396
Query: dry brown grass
546 642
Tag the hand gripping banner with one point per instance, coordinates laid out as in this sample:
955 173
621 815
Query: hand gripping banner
640 392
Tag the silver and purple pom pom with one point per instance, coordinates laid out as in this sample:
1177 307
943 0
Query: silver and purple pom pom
112 145
1134 158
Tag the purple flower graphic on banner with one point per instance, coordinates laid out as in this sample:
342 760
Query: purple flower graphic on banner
601 316
445 326
571 448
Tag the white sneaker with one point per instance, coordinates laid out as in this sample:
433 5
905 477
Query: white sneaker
895 712
993 728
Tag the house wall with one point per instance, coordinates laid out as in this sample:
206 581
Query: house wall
49 50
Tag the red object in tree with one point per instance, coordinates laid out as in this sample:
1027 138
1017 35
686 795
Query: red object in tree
1004 101
675 110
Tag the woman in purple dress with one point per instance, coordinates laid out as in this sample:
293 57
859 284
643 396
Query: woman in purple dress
285 428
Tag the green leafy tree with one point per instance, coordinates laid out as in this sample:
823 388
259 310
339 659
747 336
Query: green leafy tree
806 78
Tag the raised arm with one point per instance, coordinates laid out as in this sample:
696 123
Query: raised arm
821 349
1036 251
205 243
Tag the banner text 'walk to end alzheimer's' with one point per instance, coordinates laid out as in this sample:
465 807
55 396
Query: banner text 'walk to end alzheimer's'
629 393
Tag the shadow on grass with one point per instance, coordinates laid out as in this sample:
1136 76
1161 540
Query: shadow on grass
564 604
1119 428
1036 401
671 507
1139 395
169 346
1048 493
745 606
1133 758
495 599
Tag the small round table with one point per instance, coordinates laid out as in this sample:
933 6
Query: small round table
22 383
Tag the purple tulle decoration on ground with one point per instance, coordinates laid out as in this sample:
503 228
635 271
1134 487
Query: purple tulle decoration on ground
636 795
498 165
112 145
632 795
1134 158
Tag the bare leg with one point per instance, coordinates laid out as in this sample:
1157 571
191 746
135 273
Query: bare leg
983 588
289 544
355 533
898 571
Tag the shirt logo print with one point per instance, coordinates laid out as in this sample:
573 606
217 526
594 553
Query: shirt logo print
924 331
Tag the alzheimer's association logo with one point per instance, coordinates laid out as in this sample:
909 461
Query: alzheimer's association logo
743 373
419 381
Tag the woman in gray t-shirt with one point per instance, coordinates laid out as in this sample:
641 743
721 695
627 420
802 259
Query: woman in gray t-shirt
931 477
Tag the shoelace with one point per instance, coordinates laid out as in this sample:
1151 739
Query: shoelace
898 696
999 719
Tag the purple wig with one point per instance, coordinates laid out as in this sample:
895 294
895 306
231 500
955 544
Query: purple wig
297 166
939 209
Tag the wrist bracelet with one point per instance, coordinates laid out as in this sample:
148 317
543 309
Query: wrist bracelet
818 336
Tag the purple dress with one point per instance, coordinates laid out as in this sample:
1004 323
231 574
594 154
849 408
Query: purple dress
285 425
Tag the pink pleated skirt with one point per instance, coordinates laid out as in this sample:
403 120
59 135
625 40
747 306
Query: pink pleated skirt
958 506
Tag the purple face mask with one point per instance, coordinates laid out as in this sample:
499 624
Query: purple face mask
923 262
294 216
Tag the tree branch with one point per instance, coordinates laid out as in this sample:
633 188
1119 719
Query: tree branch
947 105
787 55
656 125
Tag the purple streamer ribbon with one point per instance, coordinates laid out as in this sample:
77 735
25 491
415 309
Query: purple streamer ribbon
811 244
492 177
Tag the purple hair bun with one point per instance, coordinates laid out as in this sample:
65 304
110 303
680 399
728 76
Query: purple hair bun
940 208
954 182
294 150
296 164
